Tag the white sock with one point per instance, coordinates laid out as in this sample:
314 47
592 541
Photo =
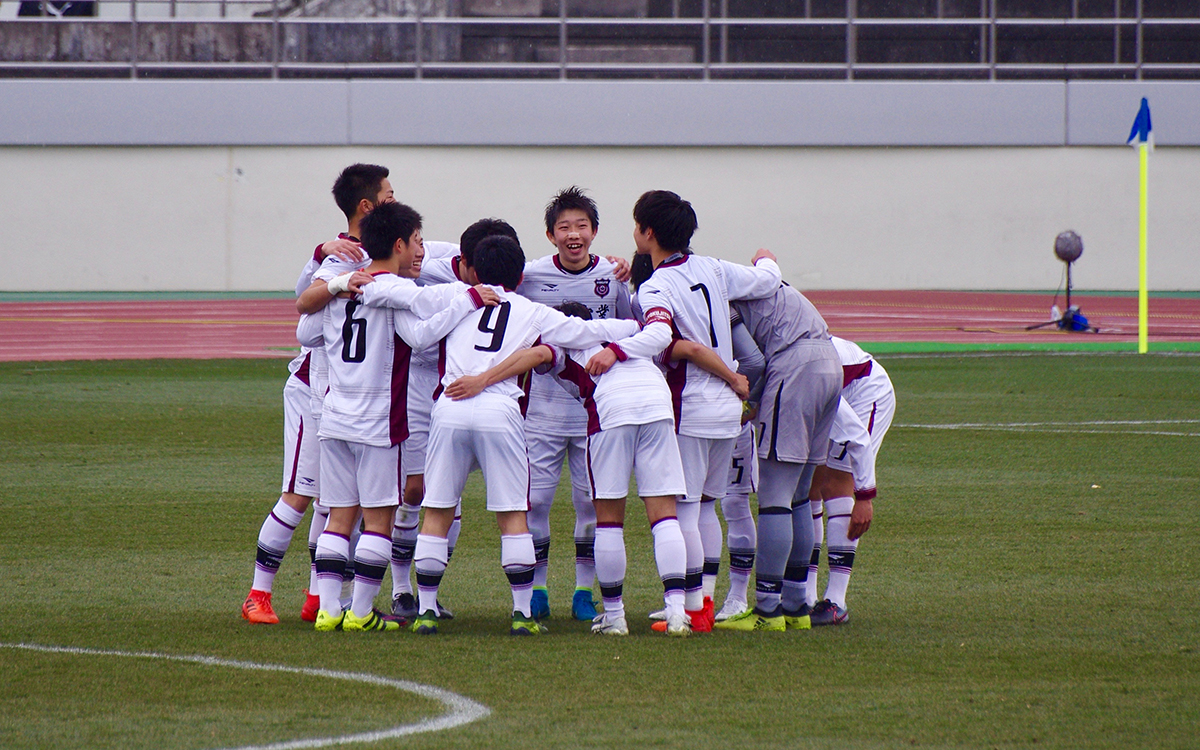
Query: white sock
670 555
273 540
839 549
689 523
517 559
429 559
814 562
538 517
370 562
585 537
404 544
333 552
315 526
711 539
610 568
742 540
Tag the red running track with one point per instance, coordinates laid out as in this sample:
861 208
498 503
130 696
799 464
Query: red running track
253 328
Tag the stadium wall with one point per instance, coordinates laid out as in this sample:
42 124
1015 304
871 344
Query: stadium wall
224 185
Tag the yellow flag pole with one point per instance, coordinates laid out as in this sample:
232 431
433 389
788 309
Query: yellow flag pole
1143 224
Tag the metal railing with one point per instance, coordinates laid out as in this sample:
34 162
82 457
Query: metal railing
241 38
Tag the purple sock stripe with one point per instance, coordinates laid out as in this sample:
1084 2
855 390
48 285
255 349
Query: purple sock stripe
283 523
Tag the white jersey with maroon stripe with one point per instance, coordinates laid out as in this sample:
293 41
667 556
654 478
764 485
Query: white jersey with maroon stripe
551 410
488 336
866 387
688 298
633 391
368 344
441 270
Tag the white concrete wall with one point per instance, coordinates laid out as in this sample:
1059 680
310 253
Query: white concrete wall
246 218
224 184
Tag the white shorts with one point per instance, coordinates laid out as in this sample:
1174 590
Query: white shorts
546 453
706 464
486 431
649 451
743 469
301 449
357 474
877 417
421 383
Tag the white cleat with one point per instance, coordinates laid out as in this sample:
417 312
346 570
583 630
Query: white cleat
659 615
603 624
732 608
678 625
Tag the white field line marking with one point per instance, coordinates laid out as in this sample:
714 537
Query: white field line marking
1068 427
460 710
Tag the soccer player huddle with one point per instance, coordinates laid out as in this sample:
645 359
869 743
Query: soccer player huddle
421 361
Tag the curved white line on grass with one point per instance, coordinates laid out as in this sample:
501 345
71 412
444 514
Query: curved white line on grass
460 710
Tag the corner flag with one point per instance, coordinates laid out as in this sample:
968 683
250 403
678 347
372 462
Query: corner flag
1141 137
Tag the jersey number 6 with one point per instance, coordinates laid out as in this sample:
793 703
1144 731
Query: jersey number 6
354 335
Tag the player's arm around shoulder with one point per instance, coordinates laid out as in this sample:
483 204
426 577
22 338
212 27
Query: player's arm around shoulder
760 279
420 332
320 292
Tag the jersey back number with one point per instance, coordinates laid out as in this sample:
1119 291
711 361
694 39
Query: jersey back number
497 328
354 335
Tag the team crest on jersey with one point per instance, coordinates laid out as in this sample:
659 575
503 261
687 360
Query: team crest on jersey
602 287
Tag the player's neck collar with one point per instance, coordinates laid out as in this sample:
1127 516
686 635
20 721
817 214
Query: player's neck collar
592 261
674 259
346 236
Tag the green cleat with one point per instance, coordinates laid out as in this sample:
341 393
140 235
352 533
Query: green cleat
522 625
327 623
798 620
753 620
375 620
426 623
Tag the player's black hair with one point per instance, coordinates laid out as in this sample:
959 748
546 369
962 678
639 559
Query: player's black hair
387 223
565 200
473 234
356 182
671 217
499 261
640 269
577 309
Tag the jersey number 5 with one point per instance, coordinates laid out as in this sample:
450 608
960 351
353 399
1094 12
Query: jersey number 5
497 330
354 335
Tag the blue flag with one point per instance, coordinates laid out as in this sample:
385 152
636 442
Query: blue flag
1141 131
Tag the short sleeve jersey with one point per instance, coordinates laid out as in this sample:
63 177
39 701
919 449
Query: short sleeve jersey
691 293
552 410
865 381
633 391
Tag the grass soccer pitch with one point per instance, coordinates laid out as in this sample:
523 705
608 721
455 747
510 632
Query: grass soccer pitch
1030 580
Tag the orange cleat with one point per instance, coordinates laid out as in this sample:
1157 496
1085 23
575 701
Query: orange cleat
257 608
312 603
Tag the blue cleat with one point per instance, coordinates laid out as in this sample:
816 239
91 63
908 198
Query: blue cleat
540 603
583 607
